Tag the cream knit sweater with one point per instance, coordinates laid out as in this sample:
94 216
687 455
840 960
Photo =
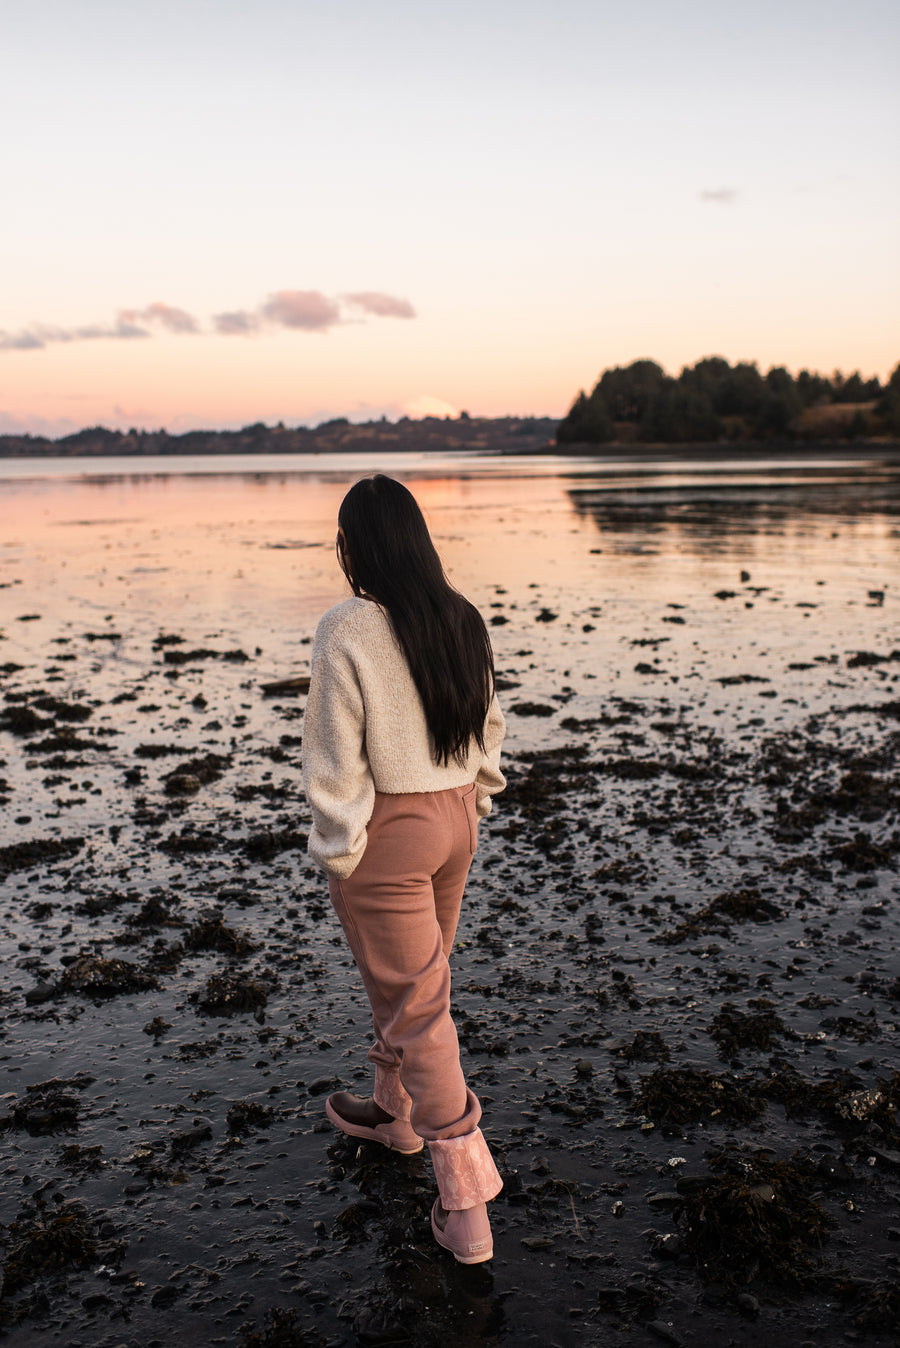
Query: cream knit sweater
365 731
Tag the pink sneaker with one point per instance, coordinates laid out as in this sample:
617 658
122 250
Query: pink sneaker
343 1109
466 1232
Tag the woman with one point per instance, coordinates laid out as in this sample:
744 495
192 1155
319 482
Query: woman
401 752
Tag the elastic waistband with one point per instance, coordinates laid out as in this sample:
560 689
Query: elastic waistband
461 791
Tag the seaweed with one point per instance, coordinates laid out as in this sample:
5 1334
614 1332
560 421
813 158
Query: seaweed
244 1116
40 1243
281 1330
26 855
680 1095
801 1097
47 1106
211 932
753 1215
202 771
98 977
224 994
647 1046
733 1029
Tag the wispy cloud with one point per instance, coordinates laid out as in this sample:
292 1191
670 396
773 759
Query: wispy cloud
168 316
12 423
720 196
382 306
236 323
298 310
38 335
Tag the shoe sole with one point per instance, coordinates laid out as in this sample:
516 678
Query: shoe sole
367 1134
480 1257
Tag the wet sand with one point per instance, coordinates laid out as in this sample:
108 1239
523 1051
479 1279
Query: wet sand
676 979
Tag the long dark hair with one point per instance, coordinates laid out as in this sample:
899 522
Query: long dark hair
386 553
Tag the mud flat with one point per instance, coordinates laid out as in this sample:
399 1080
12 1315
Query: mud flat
676 982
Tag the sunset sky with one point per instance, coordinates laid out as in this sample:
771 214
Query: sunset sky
218 212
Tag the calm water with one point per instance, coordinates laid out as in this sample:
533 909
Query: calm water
241 549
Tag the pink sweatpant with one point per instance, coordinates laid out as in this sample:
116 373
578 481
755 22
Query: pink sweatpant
399 911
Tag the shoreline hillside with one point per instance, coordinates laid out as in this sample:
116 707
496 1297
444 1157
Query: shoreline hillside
715 403
511 435
506 436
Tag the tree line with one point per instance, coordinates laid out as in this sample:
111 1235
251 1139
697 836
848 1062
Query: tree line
716 401
339 435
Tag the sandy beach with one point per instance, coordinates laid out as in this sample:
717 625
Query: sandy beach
676 980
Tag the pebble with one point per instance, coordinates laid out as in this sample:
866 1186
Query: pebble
669 1246
42 992
664 1331
665 1199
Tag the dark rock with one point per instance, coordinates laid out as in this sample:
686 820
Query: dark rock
165 1296
321 1085
200 1131
42 992
664 1331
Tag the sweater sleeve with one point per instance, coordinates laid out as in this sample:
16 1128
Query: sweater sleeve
336 773
490 779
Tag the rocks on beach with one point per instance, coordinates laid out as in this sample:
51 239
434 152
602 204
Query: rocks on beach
674 979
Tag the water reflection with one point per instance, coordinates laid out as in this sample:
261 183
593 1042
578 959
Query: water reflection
705 513
254 548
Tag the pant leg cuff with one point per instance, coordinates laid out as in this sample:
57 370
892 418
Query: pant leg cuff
390 1094
465 1171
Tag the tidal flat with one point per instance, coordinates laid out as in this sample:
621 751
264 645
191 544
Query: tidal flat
676 979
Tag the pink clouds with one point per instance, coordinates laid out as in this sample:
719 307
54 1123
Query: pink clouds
296 310
39 335
382 306
166 315
307 309
237 323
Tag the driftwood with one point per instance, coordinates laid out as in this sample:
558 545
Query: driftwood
291 687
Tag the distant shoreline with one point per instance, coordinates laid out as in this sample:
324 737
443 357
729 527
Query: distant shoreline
734 449
861 451
493 436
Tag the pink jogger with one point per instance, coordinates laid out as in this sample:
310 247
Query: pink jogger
399 911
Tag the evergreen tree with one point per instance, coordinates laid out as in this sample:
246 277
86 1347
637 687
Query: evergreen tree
588 422
681 416
629 391
888 409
